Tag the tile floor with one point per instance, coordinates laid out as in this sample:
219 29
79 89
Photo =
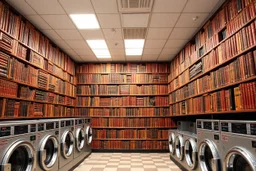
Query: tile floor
128 162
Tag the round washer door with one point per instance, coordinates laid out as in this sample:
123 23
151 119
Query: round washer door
80 139
190 148
67 144
209 158
240 159
48 152
179 147
172 143
88 135
19 156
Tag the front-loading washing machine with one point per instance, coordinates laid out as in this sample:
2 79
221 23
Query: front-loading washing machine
238 145
67 142
18 146
171 140
48 145
79 133
179 146
88 135
209 144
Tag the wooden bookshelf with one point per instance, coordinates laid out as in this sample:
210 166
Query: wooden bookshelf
132 116
131 139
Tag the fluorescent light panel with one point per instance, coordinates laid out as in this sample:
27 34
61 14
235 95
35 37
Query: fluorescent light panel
85 21
133 52
101 53
97 44
134 43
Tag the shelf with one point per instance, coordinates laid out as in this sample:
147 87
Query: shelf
130 116
157 73
133 127
122 83
213 48
119 106
37 117
130 150
215 67
211 113
131 139
111 95
216 89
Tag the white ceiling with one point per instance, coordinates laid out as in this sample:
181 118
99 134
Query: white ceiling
169 25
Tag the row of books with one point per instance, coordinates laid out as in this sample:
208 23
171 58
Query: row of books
121 78
128 67
131 122
130 145
130 133
208 37
122 101
239 69
121 89
238 98
8 89
159 111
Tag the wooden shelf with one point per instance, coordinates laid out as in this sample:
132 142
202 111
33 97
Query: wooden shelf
130 116
157 73
111 95
211 113
132 127
131 139
215 67
216 89
119 106
213 48
36 117
122 83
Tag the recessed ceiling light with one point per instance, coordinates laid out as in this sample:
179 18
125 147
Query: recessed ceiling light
85 21
133 52
97 44
134 43
101 53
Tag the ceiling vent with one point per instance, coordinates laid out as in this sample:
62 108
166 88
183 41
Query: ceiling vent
134 33
135 6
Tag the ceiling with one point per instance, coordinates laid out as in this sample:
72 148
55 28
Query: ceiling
169 25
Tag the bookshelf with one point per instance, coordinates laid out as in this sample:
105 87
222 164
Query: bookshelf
215 73
37 79
128 102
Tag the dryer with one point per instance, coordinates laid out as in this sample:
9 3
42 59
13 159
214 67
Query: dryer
67 142
171 140
239 145
18 146
209 145
79 133
88 135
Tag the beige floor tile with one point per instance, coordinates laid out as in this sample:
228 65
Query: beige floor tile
124 166
149 166
110 169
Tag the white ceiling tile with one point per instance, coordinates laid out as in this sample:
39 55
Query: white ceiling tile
62 44
149 57
89 58
77 58
109 20
51 34
22 6
200 5
84 52
152 51
157 44
118 57
163 20
92 34
169 5
70 52
117 51
59 21
186 19
38 22
165 57
135 20
175 43
170 51
77 7
133 58
182 33
158 33
112 33
77 44
46 6
103 6
69 34
115 44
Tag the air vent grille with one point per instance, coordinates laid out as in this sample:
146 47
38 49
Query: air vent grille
134 33
135 6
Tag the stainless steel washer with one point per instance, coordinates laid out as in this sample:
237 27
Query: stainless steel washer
179 146
171 140
88 135
209 144
80 140
238 145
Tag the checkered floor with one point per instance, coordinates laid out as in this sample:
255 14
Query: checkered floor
128 162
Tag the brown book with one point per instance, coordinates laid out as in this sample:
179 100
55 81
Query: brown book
237 95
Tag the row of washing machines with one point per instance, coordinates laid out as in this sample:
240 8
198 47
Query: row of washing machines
214 145
44 145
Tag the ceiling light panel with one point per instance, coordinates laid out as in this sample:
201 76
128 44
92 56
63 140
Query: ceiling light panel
134 43
97 44
133 52
85 21
101 53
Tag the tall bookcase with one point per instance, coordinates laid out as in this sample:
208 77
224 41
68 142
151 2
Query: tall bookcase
215 73
128 104
37 79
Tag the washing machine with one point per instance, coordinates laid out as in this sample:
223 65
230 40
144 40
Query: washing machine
48 145
79 133
67 142
179 147
209 145
88 136
190 151
171 140
238 145
18 146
